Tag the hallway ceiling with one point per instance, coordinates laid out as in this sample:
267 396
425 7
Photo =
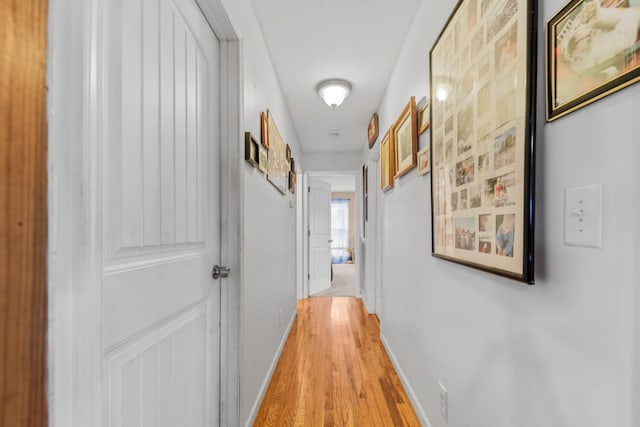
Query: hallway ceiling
313 40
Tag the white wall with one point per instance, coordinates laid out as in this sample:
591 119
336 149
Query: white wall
560 353
332 161
268 294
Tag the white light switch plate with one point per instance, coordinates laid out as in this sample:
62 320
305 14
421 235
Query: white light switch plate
444 402
583 216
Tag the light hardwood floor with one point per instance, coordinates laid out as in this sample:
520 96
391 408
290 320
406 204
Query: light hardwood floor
334 371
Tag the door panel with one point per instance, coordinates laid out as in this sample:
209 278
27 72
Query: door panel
147 376
161 216
320 236
157 167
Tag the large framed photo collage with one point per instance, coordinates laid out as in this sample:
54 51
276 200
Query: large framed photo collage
482 82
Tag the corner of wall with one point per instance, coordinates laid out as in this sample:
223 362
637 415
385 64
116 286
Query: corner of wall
415 402
253 413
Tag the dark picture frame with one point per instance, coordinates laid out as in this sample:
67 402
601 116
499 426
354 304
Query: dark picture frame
482 82
373 130
591 51
405 139
251 152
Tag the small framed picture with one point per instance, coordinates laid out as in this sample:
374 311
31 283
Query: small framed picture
292 184
278 168
293 165
387 161
288 154
264 128
295 181
424 160
251 153
405 139
424 117
372 131
264 159
592 50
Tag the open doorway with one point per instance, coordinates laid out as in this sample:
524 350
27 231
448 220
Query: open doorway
342 237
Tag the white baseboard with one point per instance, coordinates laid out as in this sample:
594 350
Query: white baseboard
265 384
422 416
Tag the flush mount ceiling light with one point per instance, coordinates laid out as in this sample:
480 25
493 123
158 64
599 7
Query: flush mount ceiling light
334 91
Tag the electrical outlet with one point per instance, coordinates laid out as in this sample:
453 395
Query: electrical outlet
444 402
280 319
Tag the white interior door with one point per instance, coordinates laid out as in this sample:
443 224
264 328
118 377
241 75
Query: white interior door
160 216
319 236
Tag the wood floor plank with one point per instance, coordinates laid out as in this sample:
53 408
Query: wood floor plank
334 371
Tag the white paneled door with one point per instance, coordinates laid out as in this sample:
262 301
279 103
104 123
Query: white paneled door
160 215
319 235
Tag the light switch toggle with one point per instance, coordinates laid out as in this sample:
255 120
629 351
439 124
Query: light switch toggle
583 218
579 213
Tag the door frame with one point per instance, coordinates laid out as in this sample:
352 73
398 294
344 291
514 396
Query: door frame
75 129
303 219
23 201
373 237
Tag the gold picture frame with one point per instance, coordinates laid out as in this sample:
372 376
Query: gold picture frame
424 117
387 161
264 128
424 160
592 50
405 139
278 169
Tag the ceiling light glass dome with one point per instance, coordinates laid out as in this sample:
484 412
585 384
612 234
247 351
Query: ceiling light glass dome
334 91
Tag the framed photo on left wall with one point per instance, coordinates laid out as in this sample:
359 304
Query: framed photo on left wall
251 152
264 129
278 167
264 159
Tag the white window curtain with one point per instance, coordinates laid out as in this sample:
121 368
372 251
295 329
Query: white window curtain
340 231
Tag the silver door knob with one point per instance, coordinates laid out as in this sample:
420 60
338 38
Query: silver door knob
220 272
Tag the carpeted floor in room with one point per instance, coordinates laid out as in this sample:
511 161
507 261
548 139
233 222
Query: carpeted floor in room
343 284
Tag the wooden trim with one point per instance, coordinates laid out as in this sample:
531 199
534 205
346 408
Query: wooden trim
23 212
